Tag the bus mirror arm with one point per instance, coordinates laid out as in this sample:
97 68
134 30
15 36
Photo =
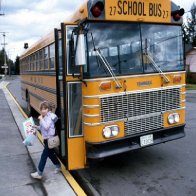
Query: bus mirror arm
81 76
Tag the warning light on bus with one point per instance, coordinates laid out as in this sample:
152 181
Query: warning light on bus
177 14
97 9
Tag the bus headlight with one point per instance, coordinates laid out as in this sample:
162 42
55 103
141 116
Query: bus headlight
173 118
111 131
176 118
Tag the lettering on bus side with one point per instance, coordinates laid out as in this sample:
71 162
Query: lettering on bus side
135 8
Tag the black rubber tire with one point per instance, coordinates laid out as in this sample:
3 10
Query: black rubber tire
30 110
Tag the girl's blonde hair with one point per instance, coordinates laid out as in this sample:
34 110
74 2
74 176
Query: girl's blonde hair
45 105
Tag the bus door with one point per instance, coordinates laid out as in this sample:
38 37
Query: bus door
69 102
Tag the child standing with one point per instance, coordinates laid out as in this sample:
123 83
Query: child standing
47 121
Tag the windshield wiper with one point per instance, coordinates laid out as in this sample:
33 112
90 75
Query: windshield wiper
106 64
108 67
156 67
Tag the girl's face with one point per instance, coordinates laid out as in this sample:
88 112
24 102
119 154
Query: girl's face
44 111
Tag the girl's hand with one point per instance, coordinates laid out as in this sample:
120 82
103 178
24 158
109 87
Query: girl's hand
40 117
35 126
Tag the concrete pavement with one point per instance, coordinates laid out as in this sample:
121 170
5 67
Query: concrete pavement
15 162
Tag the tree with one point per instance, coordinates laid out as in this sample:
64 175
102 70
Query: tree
17 66
189 29
9 62
2 70
1 61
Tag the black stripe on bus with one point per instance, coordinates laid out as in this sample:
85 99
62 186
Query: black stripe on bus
48 73
47 89
34 95
39 97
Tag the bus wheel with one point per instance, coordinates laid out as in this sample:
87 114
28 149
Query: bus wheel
30 110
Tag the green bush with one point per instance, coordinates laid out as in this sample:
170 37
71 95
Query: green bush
190 79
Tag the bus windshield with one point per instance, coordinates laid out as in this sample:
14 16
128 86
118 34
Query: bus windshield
126 46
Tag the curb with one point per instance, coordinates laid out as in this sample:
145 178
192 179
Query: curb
85 184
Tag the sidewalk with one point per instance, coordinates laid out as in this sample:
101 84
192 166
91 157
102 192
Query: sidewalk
15 162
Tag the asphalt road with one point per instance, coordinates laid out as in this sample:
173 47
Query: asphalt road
167 169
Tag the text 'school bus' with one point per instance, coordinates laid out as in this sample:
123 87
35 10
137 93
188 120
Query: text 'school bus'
115 75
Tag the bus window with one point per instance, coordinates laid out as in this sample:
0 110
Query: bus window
69 66
75 108
113 51
33 62
30 62
52 53
46 58
41 67
164 44
37 61
60 54
124 48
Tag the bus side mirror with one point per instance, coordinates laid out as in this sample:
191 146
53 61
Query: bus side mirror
79 48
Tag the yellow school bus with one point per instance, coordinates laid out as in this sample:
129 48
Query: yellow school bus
115 76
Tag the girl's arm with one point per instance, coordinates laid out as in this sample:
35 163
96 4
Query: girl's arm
46 123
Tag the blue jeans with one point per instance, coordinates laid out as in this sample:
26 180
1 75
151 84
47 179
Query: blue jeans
45 154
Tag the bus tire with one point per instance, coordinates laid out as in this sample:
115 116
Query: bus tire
30 110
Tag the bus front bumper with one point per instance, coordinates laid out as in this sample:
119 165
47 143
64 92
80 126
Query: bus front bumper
103 150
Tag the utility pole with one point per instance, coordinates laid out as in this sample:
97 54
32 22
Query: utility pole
5 58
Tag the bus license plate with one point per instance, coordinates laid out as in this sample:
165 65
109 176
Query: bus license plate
146 140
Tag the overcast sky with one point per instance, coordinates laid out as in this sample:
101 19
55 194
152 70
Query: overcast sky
29 20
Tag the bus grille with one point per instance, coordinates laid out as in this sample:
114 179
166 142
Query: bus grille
135 104
143 124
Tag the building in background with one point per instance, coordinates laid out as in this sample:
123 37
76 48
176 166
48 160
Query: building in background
191 65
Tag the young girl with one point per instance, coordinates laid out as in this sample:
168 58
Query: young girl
47 121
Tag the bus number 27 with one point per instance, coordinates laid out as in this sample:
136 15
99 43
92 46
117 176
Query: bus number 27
112 10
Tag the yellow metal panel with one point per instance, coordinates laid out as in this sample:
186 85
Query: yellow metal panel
91 111
91 101
76 153
91 120
129 83
182 118
95 134
80 14
183 96
143 10
183 104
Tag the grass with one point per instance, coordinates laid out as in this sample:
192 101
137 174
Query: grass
190 86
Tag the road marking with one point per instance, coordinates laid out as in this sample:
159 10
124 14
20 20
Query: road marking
72 182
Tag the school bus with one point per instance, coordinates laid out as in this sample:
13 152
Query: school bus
115 75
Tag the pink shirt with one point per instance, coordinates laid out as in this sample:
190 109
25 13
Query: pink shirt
47 125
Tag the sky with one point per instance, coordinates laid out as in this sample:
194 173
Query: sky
29 20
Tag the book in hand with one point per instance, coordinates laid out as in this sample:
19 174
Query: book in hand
30 132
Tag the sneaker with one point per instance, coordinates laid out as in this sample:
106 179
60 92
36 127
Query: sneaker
36 175
57 170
